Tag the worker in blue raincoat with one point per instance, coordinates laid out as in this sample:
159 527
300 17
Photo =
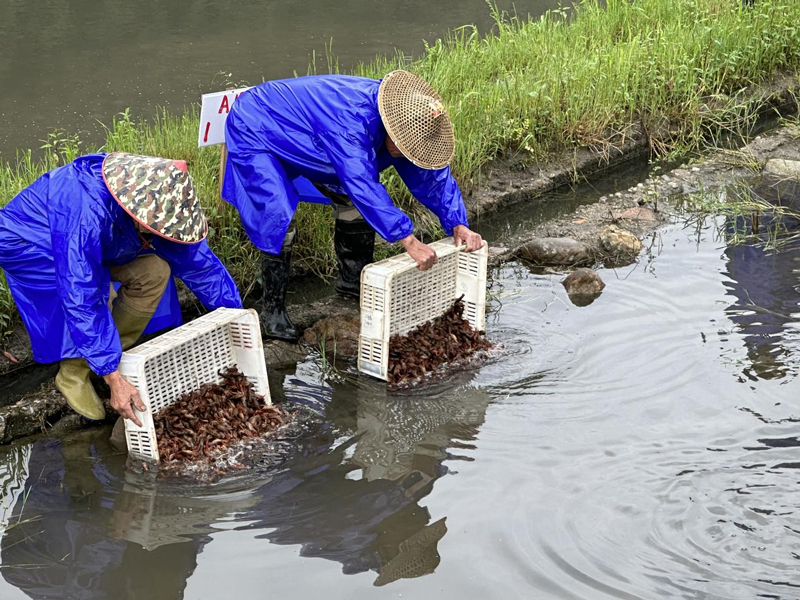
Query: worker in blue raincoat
121 217
339 132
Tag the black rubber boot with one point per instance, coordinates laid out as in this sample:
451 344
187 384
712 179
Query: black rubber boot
275 322
354 242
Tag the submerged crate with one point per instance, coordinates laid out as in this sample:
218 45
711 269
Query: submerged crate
396 297
180 361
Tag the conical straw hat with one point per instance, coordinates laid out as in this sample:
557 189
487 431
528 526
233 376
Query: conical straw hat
416 120
157 193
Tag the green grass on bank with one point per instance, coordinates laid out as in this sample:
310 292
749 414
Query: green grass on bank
581 77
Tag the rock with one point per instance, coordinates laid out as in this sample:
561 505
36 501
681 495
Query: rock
583 286
619 243
73 422
646 215
305 315
278 354
783 169
31 414
554 251
339 336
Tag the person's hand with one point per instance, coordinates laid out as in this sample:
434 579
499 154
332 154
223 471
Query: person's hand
463 234
124 397
422 253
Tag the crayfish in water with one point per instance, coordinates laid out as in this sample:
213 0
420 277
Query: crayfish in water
446 339
200 425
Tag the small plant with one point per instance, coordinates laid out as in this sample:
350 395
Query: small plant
61 148
8 313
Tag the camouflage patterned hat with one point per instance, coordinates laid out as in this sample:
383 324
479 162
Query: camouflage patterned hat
158 194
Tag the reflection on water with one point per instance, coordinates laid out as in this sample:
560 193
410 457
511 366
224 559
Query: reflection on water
87 527
766 286
629 449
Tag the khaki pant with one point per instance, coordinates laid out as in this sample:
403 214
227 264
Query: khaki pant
143 281
343 210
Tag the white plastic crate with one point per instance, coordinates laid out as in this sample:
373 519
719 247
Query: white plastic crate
180 361
396 297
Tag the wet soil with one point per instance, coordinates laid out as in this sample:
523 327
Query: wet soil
512 180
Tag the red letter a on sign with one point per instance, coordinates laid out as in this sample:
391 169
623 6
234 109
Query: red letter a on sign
224 106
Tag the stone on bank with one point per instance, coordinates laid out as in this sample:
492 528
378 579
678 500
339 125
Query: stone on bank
554 251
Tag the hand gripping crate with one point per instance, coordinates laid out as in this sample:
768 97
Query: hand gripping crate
396 297
182 360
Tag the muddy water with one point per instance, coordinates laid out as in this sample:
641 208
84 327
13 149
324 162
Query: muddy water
71 64
645 446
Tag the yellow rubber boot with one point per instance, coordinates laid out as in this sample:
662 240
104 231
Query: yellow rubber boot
72 380
73 375
130 323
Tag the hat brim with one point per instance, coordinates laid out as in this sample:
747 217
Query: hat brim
428 147
193 227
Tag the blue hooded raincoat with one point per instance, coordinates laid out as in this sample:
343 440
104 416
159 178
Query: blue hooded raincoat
327 129
58 238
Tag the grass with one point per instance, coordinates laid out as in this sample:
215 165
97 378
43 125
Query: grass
583 77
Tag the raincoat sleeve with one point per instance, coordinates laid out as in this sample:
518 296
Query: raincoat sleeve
82 282
437 190
356 166
202 272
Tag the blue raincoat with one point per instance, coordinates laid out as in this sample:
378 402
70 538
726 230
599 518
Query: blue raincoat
59 237
327 129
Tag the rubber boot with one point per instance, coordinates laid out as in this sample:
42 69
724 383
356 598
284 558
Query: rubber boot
130 323
354 242
275 323
73 378
73 382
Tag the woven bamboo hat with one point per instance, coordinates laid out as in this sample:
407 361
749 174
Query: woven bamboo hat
416 120
158 194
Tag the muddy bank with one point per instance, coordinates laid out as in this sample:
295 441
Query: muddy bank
332 324
510 181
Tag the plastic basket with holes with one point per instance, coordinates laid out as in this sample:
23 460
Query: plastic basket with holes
396 297
182 360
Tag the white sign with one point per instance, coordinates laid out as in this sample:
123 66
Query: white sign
213 114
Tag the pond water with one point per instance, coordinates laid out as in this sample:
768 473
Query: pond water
72 65
644 446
